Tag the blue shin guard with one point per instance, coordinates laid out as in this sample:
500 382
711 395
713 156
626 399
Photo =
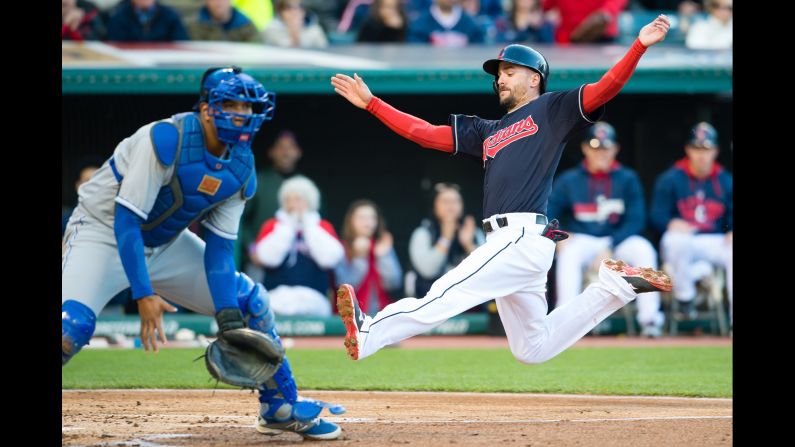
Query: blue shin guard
279 396
281 409
77 325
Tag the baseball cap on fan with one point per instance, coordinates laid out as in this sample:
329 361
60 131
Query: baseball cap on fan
600 136
703 135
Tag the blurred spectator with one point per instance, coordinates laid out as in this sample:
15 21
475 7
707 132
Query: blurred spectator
284 154
328 12
687 11
386 22
81 20
442 241
354 15
370 264
293 27
260 12
490 8
525 22
600 203
692 207
85 170
445 24
298 251
586 21
681 6
485 13
219 20
714 33
145 21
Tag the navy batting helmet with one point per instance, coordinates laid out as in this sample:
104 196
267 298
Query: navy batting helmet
520 55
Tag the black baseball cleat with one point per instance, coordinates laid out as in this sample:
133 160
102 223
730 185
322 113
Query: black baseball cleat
642 279
352 317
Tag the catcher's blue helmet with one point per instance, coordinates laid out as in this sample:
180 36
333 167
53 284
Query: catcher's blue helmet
519 55
231 84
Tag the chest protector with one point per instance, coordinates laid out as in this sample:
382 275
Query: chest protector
200 182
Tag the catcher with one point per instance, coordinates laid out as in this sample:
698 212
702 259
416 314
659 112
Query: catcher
129 229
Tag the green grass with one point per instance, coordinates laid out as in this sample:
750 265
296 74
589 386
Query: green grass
671 371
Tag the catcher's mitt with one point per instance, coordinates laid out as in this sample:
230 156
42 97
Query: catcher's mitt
243 357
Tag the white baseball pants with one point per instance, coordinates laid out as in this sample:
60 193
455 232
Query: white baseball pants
683 251
512 267
92 274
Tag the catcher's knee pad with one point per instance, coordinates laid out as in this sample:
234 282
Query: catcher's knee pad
253 301
77 325
279 390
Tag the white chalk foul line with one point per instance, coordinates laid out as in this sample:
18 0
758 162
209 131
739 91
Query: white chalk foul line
147 440
517 421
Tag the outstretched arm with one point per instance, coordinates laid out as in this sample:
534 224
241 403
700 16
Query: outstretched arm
596 94
127 229
408 126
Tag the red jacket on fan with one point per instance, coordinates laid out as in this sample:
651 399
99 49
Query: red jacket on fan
573 12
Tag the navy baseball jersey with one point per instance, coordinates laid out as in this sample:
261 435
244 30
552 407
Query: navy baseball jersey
705 203
521 151
599 204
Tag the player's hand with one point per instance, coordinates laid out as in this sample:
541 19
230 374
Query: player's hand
151 309
466 234
655 31
384 244
353 89
729 237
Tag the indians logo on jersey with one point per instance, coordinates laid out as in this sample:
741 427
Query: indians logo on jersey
508 135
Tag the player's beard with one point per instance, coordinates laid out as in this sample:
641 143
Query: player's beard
509 102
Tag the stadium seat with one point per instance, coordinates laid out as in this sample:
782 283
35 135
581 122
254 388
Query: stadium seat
709 303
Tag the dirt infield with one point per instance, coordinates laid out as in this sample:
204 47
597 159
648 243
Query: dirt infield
157 418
